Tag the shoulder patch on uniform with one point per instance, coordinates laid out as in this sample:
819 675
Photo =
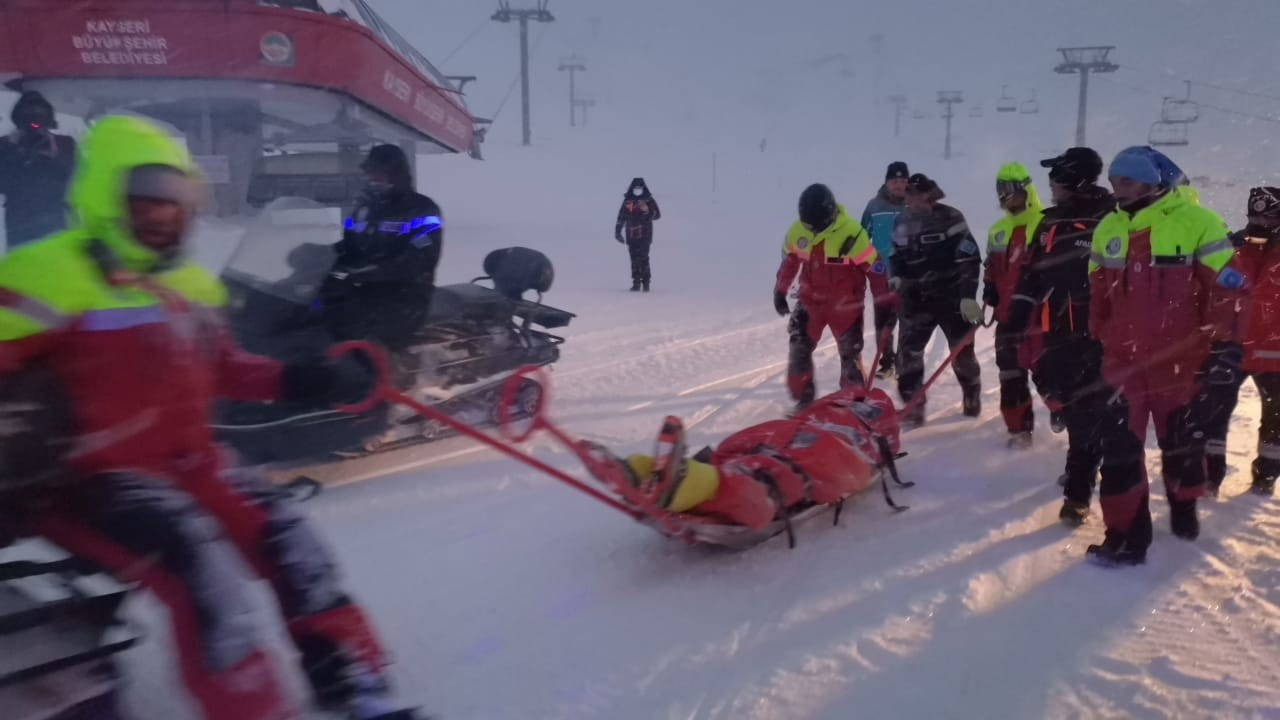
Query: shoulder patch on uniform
878 268
802 243
1000 238
1114 245
1231 279
968 247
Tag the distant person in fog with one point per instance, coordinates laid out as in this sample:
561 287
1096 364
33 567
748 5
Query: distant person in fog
35 169
635 229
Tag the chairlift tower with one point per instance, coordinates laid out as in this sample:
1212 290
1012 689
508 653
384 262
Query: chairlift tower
585 103
948 98
524 16
899 106
573 66
1085 60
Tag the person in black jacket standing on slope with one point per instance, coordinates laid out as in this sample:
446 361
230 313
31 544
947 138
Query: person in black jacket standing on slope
635 229
935 264
35 169
1052 304
382 280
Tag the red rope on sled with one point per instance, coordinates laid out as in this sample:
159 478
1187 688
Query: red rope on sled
385 391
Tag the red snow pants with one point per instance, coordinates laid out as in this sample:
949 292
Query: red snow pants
179 537
805 330
1165 396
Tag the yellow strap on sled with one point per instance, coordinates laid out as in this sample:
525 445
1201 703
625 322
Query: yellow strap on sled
700 483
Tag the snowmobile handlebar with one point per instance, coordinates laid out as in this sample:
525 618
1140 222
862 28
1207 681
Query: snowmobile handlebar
383 387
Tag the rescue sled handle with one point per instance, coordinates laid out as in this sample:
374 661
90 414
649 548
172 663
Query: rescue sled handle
385 391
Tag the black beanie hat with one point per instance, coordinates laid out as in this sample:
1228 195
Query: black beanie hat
897 169
391 160
32 102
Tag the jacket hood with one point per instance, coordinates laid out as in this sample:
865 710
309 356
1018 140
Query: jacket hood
112 148
1017 172
641 183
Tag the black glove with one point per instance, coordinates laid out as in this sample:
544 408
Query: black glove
325 383
990 296
1224 364
780 303
617 235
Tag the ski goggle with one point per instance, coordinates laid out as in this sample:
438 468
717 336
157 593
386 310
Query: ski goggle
1008 188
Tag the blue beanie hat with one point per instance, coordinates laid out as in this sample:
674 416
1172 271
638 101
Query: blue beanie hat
1136 163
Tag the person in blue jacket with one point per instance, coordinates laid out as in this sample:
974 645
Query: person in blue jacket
882 210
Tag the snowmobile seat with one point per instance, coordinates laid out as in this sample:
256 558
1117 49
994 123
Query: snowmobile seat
515 270
468 301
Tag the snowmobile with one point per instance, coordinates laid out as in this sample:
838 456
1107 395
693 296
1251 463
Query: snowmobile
474 337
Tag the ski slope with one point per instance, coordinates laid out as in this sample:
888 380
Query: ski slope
506 595
503 594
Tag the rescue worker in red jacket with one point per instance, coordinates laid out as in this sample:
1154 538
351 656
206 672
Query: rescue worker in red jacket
1165 297
1258 254
1007 250
836 260
128 335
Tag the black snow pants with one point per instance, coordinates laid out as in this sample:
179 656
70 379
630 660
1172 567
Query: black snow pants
886 319
639 250
1068 374
918 323
1266 464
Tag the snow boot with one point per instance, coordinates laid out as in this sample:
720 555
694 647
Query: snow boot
1057 421
644 286
913 418
887 363
972 402
1073 513
1216 472
1019 441
635 286
1264 481
1182 519
349 689
1115 552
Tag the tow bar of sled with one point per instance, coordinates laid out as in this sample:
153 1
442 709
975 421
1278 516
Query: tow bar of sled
385 391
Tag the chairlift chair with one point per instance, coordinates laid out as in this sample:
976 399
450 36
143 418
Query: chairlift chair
1007 103
976 111
1168 134
1031 106
919 114
1180 110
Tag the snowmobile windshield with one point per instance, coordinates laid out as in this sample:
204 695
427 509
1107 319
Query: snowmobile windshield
287 250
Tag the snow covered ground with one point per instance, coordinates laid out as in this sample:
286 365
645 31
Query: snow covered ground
506 595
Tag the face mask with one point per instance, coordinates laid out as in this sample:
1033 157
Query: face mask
637 191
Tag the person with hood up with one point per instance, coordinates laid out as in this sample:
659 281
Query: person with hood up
1007 249
35 169
936 264
1165 297
126 341
635 229
1051 306
878 218
383 277
1258 253
835 259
